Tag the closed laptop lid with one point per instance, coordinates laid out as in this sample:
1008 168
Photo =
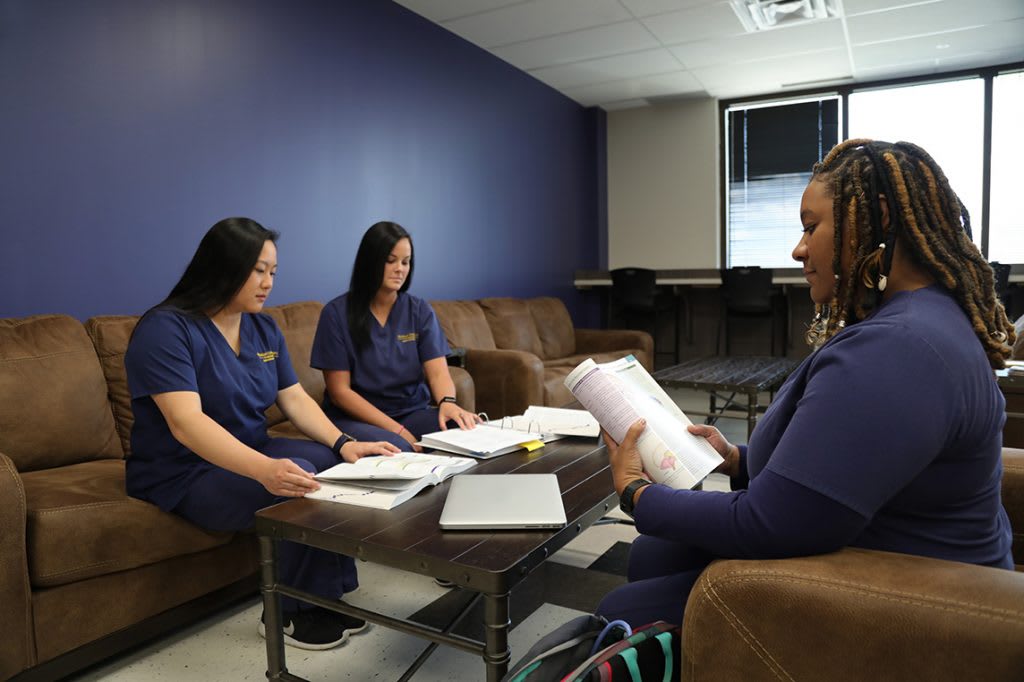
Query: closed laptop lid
503 501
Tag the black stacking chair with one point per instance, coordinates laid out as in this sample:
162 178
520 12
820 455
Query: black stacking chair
747 292
635 303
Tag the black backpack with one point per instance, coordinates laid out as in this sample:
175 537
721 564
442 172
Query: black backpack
590 649
562 650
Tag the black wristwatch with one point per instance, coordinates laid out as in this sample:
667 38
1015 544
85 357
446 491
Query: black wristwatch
446 399
629 492
340 443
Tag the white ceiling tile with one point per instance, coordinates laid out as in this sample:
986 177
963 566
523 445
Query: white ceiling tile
443 10
940 47
779 42
948 15
634 88
700 23
853 7
603 41
960 61
645 8
625 104
775 75
631 65
536 19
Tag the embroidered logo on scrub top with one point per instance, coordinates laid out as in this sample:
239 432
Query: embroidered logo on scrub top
406 338
267 355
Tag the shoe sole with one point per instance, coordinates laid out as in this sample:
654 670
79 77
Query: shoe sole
298 644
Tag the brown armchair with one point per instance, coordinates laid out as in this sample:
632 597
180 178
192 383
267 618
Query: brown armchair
519 351
862 615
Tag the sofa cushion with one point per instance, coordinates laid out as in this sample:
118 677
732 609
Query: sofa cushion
554 326
55 408
512 325
464 324
110 335
298 325
80 524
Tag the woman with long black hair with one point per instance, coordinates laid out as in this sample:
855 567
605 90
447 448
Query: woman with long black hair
382 350
203 365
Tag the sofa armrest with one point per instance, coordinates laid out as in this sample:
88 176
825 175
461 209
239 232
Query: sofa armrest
506 381
18 650
1013 498
610 340
854 615
465 390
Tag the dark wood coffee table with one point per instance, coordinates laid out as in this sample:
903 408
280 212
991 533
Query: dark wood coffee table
408 537
747 375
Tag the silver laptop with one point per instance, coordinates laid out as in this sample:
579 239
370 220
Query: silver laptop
493 502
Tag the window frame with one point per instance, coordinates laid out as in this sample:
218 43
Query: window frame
987 74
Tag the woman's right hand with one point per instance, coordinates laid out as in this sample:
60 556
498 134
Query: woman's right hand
729 452
285 478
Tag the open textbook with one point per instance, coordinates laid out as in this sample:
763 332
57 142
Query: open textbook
620 392
386 482
550 423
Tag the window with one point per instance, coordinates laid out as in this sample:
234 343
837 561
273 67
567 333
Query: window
953 132
771 149
771 146
1006 221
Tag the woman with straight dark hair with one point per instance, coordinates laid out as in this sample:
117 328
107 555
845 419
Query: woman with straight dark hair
203 365
382 350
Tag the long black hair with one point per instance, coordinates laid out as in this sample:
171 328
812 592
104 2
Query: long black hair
220 266
368 273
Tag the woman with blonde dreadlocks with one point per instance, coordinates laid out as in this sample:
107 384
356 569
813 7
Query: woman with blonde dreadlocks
889 435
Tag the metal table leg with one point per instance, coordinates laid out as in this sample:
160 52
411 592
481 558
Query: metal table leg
496 623
276 669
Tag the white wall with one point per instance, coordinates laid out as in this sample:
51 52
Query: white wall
663 186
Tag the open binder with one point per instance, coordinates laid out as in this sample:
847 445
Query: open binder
550 423
481 442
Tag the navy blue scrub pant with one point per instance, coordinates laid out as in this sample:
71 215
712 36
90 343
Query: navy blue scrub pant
417 422
225 501
661 574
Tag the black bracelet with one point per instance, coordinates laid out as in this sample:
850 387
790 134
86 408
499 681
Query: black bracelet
340 443
446 399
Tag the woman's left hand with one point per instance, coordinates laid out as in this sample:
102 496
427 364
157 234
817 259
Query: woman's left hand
624 457
450 411
355 449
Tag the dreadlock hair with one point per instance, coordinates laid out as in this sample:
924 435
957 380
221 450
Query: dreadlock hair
928 220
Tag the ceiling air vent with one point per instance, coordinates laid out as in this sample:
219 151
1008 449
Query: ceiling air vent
762 15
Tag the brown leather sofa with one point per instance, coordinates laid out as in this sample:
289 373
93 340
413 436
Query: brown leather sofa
519 351
85 570
859 615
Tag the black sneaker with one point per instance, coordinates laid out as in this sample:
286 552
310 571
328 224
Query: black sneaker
317 628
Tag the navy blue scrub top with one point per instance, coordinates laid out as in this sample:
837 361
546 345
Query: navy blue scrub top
173 351
388 372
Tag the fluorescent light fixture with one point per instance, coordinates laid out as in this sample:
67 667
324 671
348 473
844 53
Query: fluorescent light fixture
762 15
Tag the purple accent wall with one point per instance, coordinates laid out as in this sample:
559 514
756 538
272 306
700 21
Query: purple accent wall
128 127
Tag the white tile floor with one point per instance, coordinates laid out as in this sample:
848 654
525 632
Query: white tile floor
227 647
